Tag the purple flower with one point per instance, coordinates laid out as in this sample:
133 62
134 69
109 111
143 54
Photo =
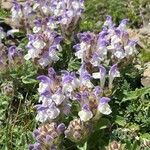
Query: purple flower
86 37
44 86
100 75
98 91
123 24
108 23
48 137
103 106
113 72
67 77
104 100
61 128
47 113
11 52
51 73
36 146
85 77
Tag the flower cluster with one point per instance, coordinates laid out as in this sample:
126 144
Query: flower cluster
111 44
78 130
11 55
42 19
68 13
58 92
48 136
43 48
61 93
37 14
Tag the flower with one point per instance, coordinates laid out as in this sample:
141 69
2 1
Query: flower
113 73
2 34
85 114
103 106
16 11
100 75
44 48
85 77
44 86
48 136
11 32
58 97
48 112
77 130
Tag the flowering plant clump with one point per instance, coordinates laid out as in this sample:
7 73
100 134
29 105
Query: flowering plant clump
42 19
71 80
58 93
111 45
9 55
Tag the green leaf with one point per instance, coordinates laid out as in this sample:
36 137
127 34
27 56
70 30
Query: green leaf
120 121
84 147
27 80
134 127
146 136
136 94
74 64
103 123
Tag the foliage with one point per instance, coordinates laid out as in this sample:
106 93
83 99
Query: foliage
129 122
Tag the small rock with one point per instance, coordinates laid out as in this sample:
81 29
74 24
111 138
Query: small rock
145 30
146 76
6 5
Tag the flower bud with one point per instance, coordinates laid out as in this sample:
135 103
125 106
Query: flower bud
7 89
77 130
48 136
115 146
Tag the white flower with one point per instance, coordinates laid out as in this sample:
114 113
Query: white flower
42 117
36 29
67 88
11 32
84 46
48 114
119 54
79 54
2 35
35 6
104 108
58 98
16 14
45 100
43 87
53 113
75 5
45 10
39 44
52 25
44 62
87 83
75 83
95 62
115 39
85 115
96 75
32 53
53 55
129 50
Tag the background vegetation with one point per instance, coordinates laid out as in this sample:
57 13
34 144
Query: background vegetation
129 124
